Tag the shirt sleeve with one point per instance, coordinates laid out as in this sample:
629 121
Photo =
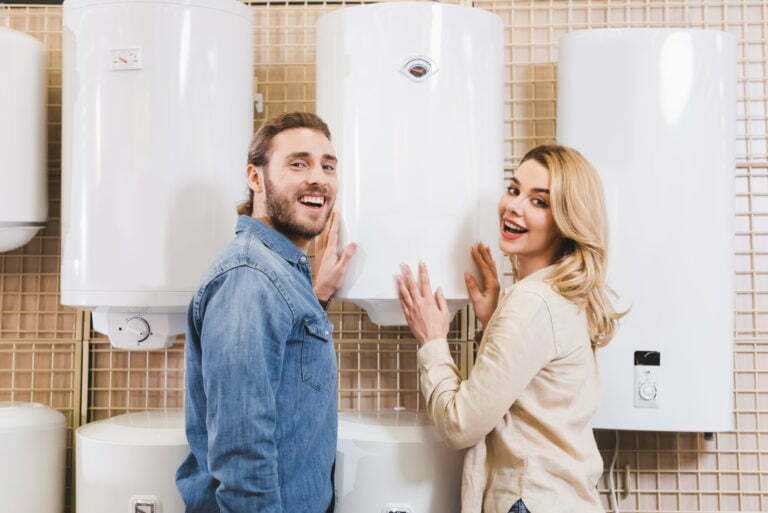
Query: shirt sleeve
518 343
245 325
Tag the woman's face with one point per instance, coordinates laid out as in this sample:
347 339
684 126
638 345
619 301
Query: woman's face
527 227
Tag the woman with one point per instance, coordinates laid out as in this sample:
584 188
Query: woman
525 409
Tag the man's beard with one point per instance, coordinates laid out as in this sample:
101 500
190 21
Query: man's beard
281 211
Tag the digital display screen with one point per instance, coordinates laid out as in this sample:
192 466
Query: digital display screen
648 358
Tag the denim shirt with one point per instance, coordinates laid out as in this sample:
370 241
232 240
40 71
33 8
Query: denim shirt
261 383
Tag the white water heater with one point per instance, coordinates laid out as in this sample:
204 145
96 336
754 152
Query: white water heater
128 463
33 451
654 111
412 94
157 116
395 462
23 165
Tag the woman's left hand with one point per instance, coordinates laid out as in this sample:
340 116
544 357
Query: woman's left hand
427 313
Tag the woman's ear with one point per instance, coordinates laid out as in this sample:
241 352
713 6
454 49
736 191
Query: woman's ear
255 176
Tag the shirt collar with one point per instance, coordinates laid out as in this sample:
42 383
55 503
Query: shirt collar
539 275
271 238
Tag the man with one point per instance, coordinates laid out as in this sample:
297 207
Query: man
261 368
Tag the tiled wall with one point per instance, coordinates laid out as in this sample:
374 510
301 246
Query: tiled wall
44 346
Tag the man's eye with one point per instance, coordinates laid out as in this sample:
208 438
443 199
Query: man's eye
298 164
329 167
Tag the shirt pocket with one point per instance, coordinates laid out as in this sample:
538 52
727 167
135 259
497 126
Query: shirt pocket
318 358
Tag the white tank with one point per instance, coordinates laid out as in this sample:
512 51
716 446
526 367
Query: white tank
412 93
654 111
33 450
157 116
23 172
394 462
128 463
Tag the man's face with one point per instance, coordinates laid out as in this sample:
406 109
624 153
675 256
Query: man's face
300 182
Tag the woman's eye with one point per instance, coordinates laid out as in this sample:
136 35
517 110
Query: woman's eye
514 191
540 203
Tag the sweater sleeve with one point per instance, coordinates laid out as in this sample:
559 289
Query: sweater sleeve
518 342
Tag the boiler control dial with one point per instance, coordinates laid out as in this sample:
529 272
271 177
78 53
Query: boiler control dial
139 327
648 391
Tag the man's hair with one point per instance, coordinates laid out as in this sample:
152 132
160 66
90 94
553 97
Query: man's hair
258 153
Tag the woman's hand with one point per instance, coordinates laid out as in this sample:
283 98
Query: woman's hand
329 266
427 314
485 299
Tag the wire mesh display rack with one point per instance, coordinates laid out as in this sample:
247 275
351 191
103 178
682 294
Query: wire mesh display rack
49 354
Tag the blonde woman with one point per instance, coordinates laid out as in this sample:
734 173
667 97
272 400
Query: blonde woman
525 410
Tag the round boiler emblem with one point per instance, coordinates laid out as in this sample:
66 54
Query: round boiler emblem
418 68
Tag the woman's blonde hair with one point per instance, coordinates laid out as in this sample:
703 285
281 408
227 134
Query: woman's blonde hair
578 208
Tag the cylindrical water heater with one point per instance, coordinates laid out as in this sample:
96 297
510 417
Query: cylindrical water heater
157 116
394 461
129 462
654 111
412 94
23 173
33 449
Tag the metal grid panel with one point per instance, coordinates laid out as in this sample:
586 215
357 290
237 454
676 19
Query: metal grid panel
667 472
46 372
40 352
673 471
29 276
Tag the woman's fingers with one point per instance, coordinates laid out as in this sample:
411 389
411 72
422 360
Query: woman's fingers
405 296
489 260
472 286
410 282
442 304
487 266
424 286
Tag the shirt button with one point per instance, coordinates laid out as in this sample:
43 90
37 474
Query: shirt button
302 259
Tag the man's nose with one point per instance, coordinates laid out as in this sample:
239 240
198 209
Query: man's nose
317 174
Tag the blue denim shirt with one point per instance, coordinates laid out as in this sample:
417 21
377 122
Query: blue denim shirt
261 383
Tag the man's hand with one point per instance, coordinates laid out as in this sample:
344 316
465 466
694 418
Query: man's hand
329 266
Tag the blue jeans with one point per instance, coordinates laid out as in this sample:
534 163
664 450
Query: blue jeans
519 507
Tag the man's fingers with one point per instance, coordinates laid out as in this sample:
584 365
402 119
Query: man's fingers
346 256
333 233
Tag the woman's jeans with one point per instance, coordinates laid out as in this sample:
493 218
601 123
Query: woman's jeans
519 507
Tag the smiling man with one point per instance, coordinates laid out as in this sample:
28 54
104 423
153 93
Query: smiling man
261 368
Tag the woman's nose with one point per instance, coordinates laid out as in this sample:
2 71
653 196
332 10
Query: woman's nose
513 205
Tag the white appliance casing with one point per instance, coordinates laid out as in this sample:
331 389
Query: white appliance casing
395 461
23 138
33 451
654 111
157 116
128 457
421 161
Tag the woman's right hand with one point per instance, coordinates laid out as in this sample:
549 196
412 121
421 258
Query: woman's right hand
485 296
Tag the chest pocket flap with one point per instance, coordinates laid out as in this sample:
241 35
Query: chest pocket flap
318 357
